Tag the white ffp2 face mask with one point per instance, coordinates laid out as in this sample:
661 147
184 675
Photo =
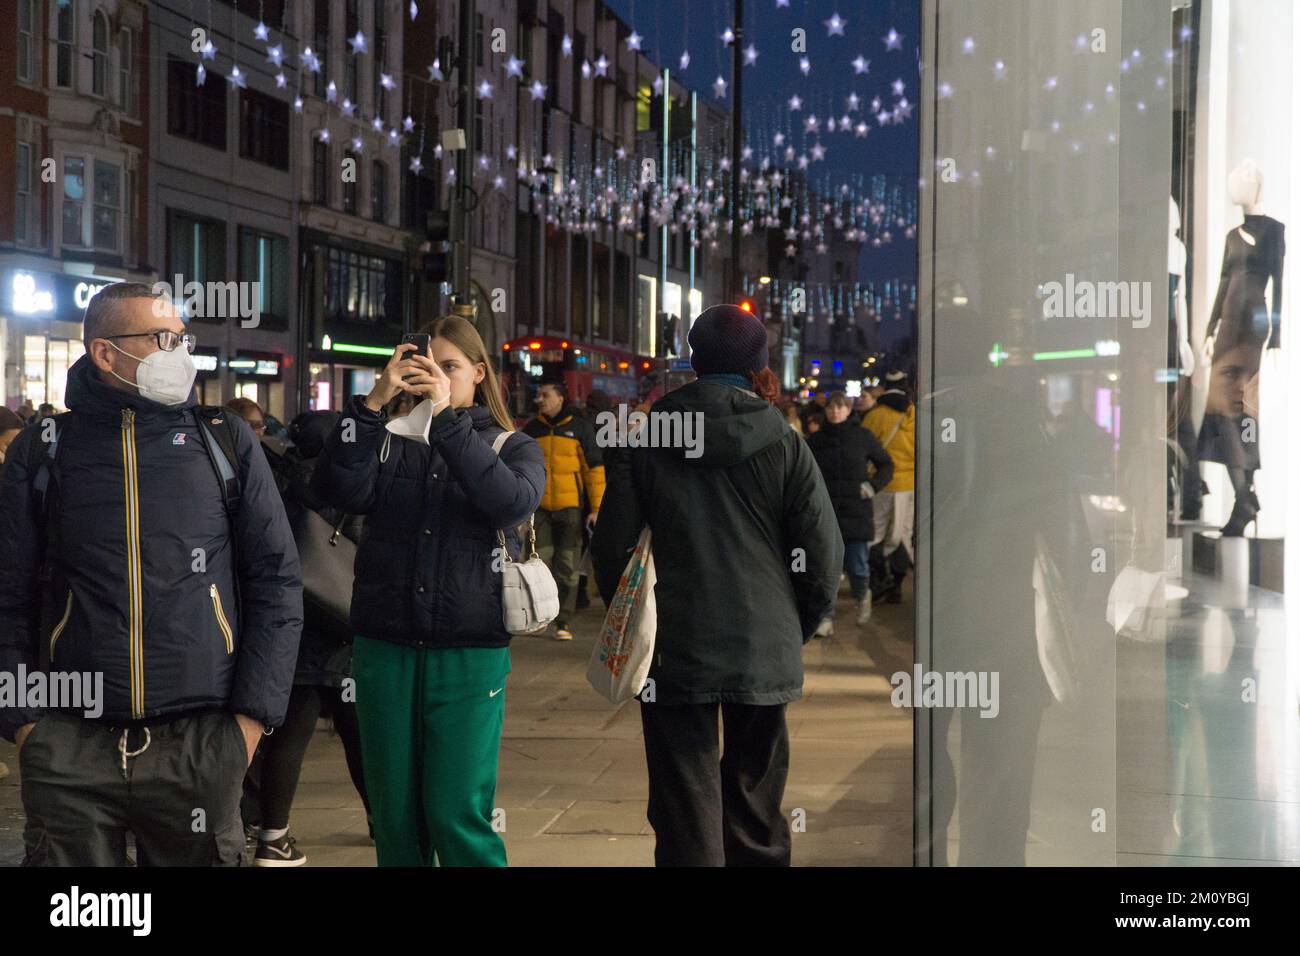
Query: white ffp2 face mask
163 377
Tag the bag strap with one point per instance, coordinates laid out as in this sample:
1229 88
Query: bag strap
497 444
217 431
894 434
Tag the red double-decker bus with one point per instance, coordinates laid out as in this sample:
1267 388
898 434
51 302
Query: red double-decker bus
528 361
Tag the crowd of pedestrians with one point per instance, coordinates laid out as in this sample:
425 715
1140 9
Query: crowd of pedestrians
232 590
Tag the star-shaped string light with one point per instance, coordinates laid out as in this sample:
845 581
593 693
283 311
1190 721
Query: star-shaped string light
275 54
358 43
751 55
236 77
685 60
566 45
835 25
435 71
720 87
634 41
514 66
485 90
537 90
893 40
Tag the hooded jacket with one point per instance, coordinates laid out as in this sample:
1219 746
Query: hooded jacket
746 548
574 465
424 574
893 420
179 611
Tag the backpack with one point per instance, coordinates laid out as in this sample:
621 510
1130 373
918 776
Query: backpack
218 433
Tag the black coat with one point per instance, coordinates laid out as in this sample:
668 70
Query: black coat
745 546
843 453
424 572
137 495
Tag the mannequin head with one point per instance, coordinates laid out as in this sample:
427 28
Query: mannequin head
1246 185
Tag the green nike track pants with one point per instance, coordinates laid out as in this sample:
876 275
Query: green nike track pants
430 737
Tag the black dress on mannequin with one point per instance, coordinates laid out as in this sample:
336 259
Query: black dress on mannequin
1241 321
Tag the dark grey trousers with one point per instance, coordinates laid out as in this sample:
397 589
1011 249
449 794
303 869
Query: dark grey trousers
708 811
179 797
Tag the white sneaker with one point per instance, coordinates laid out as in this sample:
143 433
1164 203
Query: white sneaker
825 629
563 634
864 609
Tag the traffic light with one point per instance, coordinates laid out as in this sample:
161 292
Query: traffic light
437 261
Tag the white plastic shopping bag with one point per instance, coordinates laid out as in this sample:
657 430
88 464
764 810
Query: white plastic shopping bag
621 658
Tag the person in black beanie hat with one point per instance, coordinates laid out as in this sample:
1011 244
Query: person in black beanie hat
748 552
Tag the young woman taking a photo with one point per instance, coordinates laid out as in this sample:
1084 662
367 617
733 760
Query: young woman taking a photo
432 653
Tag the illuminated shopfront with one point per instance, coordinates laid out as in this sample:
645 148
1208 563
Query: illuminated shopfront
40 332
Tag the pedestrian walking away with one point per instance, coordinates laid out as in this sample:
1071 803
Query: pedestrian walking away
748 557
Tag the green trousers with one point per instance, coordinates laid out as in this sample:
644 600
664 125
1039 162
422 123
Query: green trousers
430 737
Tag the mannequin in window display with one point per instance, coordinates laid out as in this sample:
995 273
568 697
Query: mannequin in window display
1245 319
1185 486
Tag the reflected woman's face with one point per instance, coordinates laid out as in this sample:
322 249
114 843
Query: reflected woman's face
1230 373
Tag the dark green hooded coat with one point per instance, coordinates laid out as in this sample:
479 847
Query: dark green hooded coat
746 547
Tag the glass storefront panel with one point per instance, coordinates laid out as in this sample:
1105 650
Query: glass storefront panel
1102 430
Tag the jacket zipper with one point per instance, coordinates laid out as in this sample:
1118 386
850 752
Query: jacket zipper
63 622
221 618
131 490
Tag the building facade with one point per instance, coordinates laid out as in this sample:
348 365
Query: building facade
75 109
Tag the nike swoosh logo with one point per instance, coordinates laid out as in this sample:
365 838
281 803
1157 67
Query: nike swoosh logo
493 693
276 850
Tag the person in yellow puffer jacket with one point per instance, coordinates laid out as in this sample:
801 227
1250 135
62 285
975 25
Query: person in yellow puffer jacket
893 420
574 470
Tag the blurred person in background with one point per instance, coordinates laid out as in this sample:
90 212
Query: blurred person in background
855 468
893 421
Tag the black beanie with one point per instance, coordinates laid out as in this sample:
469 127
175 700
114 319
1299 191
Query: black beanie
725 339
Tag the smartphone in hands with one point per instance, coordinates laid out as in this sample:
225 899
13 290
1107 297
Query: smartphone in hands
421 342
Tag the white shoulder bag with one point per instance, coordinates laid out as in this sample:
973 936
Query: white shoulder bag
529 598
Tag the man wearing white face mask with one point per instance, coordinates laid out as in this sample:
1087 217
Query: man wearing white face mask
143 547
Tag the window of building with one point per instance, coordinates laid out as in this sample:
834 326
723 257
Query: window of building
74 198
108 205
126 71
320 173
195 112
321 44
350 185
26 41
380 55
263 129
65 61
352 23
23 205
579 55
361 288
99 53
196 250
378 192
264 259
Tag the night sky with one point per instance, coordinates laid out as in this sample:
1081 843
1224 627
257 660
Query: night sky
669 26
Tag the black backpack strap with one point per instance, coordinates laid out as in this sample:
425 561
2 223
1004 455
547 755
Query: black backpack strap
218 432
42 463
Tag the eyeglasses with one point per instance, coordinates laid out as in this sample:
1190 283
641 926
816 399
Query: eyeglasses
167 339
258 427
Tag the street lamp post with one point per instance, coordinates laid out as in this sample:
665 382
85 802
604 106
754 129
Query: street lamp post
737 31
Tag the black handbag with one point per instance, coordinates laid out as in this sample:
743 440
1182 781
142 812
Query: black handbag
327 558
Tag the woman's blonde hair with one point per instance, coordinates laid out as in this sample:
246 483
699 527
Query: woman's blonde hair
462 334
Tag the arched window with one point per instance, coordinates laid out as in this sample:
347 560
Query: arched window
65 38
99 53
